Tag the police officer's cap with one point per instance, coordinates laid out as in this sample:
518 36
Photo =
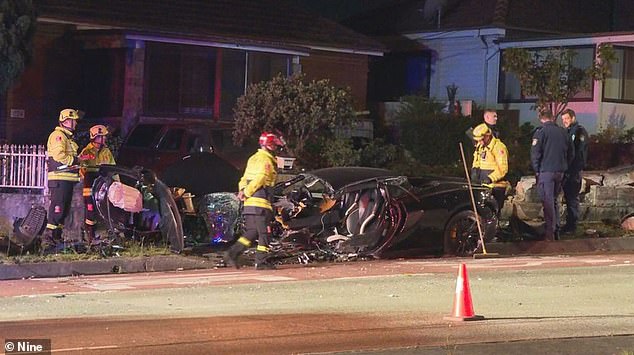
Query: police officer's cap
480 131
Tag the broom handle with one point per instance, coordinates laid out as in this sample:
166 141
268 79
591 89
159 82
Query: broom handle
473 204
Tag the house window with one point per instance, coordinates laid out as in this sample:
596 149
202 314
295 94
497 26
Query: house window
399 74
190 80
509 85
265 66
232 81
102 81
619 85
179 79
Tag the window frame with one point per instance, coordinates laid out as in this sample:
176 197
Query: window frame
620 100
502 77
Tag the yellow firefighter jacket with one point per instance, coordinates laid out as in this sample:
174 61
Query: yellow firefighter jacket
491 160
259 176
102 156
62 150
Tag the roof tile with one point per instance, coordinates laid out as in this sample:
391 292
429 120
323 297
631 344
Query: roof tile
263 21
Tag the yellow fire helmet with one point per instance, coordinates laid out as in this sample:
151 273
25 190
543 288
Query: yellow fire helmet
480 131
98 130
68 113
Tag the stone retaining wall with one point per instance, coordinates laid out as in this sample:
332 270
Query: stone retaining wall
597 203
17 205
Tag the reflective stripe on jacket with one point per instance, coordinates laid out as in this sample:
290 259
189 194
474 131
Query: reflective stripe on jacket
492 160
62 150
102 156
259 175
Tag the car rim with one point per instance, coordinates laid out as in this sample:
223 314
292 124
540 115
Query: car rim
464 236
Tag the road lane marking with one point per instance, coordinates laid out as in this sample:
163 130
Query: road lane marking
103 285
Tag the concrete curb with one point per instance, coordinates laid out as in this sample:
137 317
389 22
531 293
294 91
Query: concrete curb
181 262
105 266
573 246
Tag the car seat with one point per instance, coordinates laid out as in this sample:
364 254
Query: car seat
368 208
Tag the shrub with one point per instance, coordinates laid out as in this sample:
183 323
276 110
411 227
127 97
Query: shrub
338 152
430 136
304 112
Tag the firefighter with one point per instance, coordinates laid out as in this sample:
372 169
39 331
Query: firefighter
63 174
490 163
255 190
99 154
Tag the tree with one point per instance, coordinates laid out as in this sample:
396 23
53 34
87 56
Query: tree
16 39
550 76
302 111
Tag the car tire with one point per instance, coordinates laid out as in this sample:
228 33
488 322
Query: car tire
461 237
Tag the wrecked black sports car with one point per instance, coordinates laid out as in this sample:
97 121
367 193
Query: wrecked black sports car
324 214
327 214
373 212
364 212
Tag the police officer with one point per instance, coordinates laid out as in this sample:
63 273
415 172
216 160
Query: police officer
63 174
572 181
98 154
490 162
255 191
551 150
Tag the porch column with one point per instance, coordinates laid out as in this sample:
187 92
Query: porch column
218 84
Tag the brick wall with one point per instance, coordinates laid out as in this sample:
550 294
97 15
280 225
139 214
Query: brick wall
48 84
343 70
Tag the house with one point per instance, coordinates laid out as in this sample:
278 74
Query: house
437 43
123 61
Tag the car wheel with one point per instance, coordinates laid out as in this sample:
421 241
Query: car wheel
461 237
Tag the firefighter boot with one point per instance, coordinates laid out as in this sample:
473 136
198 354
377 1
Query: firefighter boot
231 256
262 254
89 238
48 244
89 235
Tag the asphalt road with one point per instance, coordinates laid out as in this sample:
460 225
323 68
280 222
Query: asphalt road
581 305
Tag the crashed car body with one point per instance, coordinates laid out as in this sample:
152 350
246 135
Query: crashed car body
370 212
134 204
374 212
325 214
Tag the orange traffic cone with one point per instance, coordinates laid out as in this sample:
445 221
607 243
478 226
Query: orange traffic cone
462 305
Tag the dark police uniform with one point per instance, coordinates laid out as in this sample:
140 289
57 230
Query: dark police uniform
572 182
551 151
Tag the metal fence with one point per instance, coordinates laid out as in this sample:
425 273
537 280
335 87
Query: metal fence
23 166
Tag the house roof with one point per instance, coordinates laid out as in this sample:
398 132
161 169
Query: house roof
521 18
273 23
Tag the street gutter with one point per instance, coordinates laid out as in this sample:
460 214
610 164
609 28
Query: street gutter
160 263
